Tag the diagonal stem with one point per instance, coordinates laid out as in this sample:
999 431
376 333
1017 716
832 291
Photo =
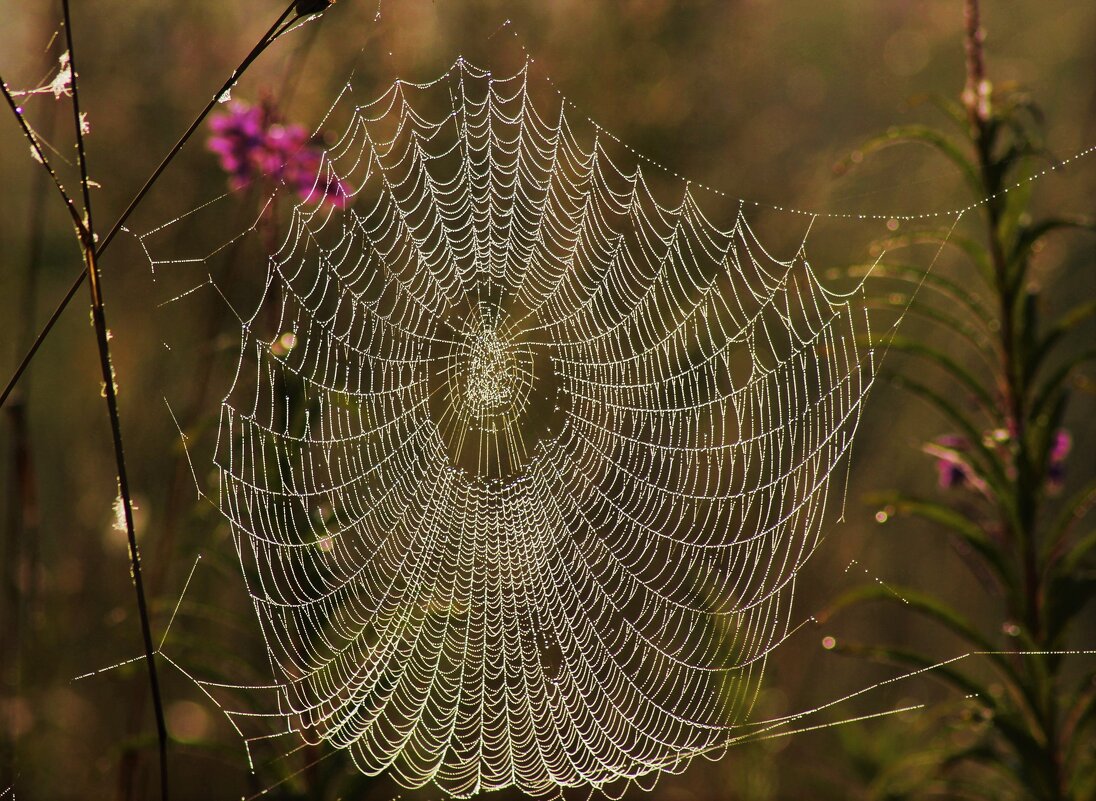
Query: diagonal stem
279 27
263 43
41 158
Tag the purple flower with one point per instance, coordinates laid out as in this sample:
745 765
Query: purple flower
1060 446
252 142
952 469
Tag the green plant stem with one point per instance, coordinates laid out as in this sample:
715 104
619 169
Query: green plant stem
41 157
1008 286
103 341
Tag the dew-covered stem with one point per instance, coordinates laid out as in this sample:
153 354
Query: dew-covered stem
87 242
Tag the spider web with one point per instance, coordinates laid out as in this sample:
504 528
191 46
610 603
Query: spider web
522 453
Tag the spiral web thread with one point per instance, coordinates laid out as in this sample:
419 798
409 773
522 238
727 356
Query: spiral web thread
521 461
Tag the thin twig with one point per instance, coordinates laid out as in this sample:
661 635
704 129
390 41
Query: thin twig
276 30
41 158
280 26
101 336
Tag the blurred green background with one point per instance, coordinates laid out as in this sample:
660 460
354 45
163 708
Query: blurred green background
758 98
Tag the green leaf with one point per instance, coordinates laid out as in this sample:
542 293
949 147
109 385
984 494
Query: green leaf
943 614
1080 714
1080 504
950 366
1017 108
901 657
1016 202
1029 747
1061 328
1028 235
1012 728
989 467
1028 325
945 104
1054 384
1068 595
971 248
989 758
955 522
918 277
941 143
978 343
925 605
1041 439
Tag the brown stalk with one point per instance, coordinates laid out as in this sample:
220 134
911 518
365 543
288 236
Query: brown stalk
87 242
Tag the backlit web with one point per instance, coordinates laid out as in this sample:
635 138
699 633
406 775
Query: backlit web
523 452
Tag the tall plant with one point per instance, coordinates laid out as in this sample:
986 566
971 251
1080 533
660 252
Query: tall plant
79 206
1002 463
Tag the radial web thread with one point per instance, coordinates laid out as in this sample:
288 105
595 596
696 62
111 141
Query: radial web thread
521 459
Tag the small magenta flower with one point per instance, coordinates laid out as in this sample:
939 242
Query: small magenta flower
253 142
953 471
1060 446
